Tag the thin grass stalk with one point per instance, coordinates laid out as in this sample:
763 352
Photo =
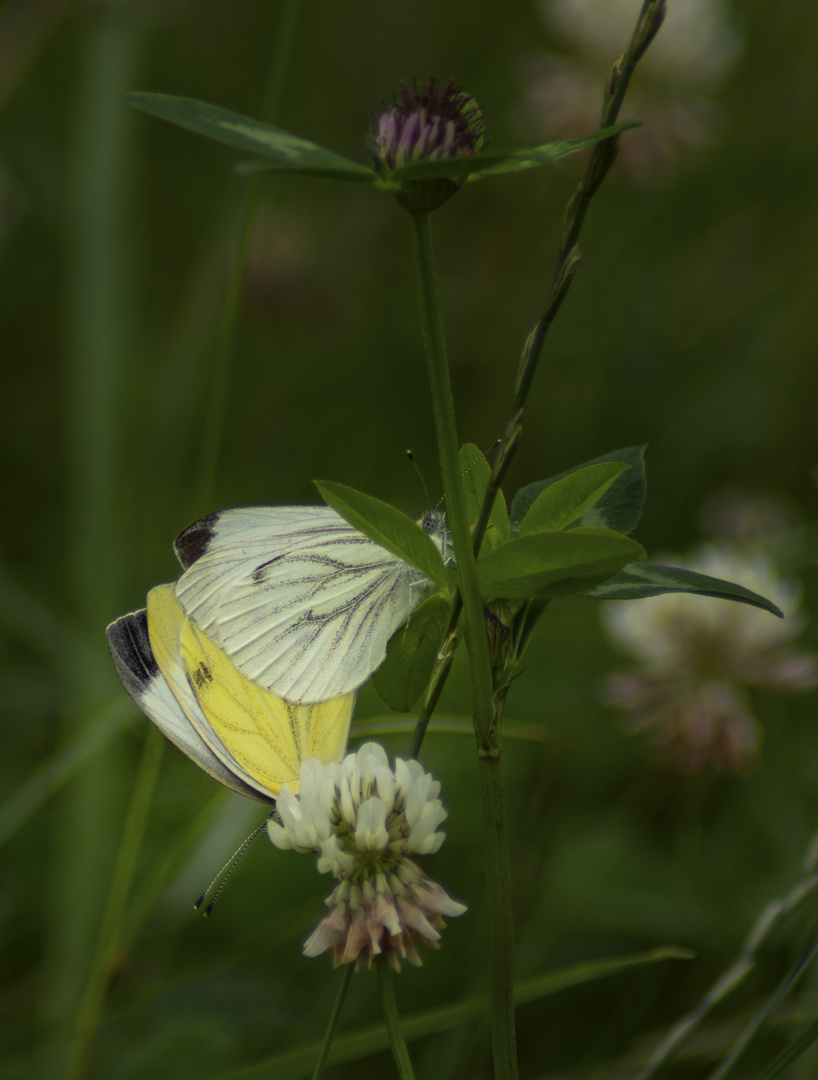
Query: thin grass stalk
744 963
75 754
110 940
112 927
791 1054
764 1013
99 341
602 158
216 405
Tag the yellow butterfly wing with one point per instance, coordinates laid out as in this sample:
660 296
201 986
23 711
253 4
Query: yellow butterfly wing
267 738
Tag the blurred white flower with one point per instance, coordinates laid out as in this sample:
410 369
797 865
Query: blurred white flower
672 92
746 516
363 820
697 654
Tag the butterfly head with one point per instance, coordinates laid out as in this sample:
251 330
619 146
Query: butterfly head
434 523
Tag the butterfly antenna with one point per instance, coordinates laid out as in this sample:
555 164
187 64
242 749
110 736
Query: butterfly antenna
483 456
411 455
226 871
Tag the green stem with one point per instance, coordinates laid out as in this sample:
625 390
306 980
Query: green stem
329 1034
390 1015
213 427
568 257
501 915
486 719
446 429
602 158
215 408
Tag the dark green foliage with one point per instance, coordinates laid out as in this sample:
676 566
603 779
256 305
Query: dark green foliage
619 507
690 326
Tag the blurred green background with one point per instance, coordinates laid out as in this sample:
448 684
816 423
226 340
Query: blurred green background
691 327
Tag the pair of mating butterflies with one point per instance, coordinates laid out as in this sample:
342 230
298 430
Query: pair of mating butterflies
250 662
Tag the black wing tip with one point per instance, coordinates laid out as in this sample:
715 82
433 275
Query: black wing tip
131 650
194 541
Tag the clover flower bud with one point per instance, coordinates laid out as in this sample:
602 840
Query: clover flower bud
428 124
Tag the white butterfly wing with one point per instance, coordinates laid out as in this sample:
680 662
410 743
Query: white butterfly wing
281 528
301 602
140 675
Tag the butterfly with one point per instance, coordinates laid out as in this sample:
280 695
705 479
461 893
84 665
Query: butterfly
242 735
300 601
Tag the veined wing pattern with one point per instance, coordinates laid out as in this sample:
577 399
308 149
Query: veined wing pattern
302 602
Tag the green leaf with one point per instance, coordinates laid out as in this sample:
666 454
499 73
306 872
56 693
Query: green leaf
566 500
287 152
652 579
509 162
476 475
541 565
412 652
620 508
388 527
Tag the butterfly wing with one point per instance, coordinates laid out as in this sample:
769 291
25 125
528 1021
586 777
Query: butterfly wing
298 599
260 738
268 737
139 672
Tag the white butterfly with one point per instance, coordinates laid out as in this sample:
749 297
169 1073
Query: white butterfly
243 736
301 601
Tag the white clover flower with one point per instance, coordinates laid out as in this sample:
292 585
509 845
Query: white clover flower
363 820
697 655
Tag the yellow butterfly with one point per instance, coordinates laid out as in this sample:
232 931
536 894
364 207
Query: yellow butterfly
237 731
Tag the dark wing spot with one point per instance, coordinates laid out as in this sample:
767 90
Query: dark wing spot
195 540
202 675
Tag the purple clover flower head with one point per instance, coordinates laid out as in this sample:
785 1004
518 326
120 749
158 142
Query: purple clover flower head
427 124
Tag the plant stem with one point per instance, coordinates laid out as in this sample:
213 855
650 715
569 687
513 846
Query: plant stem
602 158
487 709
448 445
501 914
568 257
329 1034
485 718
390 1015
